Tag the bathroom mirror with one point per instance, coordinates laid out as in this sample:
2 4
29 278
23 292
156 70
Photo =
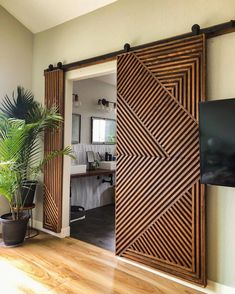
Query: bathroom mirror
103 131
76 128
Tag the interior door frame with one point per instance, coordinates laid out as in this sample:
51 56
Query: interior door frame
89 71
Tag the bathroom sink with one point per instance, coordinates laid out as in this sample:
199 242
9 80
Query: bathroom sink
111 165
78 169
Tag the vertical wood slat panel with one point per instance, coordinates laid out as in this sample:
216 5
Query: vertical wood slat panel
160 203
53 140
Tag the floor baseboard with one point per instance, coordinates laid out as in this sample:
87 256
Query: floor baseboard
212 287
65 232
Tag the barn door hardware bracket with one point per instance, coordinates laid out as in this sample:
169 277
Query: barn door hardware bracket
196 29
127 47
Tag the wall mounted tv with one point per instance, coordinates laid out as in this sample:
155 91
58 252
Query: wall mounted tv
217 142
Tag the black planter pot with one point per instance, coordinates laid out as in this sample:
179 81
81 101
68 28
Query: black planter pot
13 231
28 192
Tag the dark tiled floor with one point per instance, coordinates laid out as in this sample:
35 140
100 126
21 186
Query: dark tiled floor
97 228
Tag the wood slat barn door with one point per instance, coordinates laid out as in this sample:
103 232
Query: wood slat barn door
160 203
53 140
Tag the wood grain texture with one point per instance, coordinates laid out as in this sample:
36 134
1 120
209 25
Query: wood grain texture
160 203
53 140
47 264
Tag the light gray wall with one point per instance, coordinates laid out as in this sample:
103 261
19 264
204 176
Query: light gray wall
16 56
138 22
89 91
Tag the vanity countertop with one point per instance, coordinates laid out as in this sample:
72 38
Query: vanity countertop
91 173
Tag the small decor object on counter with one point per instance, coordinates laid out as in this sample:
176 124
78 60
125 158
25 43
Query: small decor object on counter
90 156
92 160
98 156
108 156
93 165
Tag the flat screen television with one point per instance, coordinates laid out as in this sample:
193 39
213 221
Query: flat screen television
217 142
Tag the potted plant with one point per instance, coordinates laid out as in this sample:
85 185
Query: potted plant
24 107
22 124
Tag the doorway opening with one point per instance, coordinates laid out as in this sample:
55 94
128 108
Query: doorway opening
91 208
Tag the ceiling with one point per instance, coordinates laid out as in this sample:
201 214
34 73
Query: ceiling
110 79
40 15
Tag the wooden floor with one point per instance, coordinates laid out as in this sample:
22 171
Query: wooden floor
46 264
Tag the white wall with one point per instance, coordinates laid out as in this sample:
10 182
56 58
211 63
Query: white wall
16 56
89 91
221 200
138 22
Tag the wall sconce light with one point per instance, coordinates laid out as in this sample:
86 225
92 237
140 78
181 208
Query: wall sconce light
104 104
76 100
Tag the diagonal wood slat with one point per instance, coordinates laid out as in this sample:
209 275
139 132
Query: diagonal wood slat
53 172
160 203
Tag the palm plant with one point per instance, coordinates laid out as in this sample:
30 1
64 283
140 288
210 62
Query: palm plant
12 136
22 125
23 106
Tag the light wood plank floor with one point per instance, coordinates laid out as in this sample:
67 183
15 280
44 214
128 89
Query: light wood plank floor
46 265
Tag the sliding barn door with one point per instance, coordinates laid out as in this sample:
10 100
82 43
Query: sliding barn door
53 173
160 203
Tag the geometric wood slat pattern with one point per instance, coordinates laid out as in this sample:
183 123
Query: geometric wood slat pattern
53 140
160 203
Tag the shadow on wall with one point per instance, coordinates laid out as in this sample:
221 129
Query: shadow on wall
38 213
220 213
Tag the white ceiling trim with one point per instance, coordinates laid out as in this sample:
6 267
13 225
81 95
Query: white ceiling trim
40 15
110 79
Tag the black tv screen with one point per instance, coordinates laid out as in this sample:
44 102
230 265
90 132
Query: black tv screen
217 142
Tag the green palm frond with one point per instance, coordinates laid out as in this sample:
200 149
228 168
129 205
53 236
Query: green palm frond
12 140
54 154
8 181
22 106
25 107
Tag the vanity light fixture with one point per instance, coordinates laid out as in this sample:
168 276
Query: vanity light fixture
106 105
115 107
100 105
76 100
